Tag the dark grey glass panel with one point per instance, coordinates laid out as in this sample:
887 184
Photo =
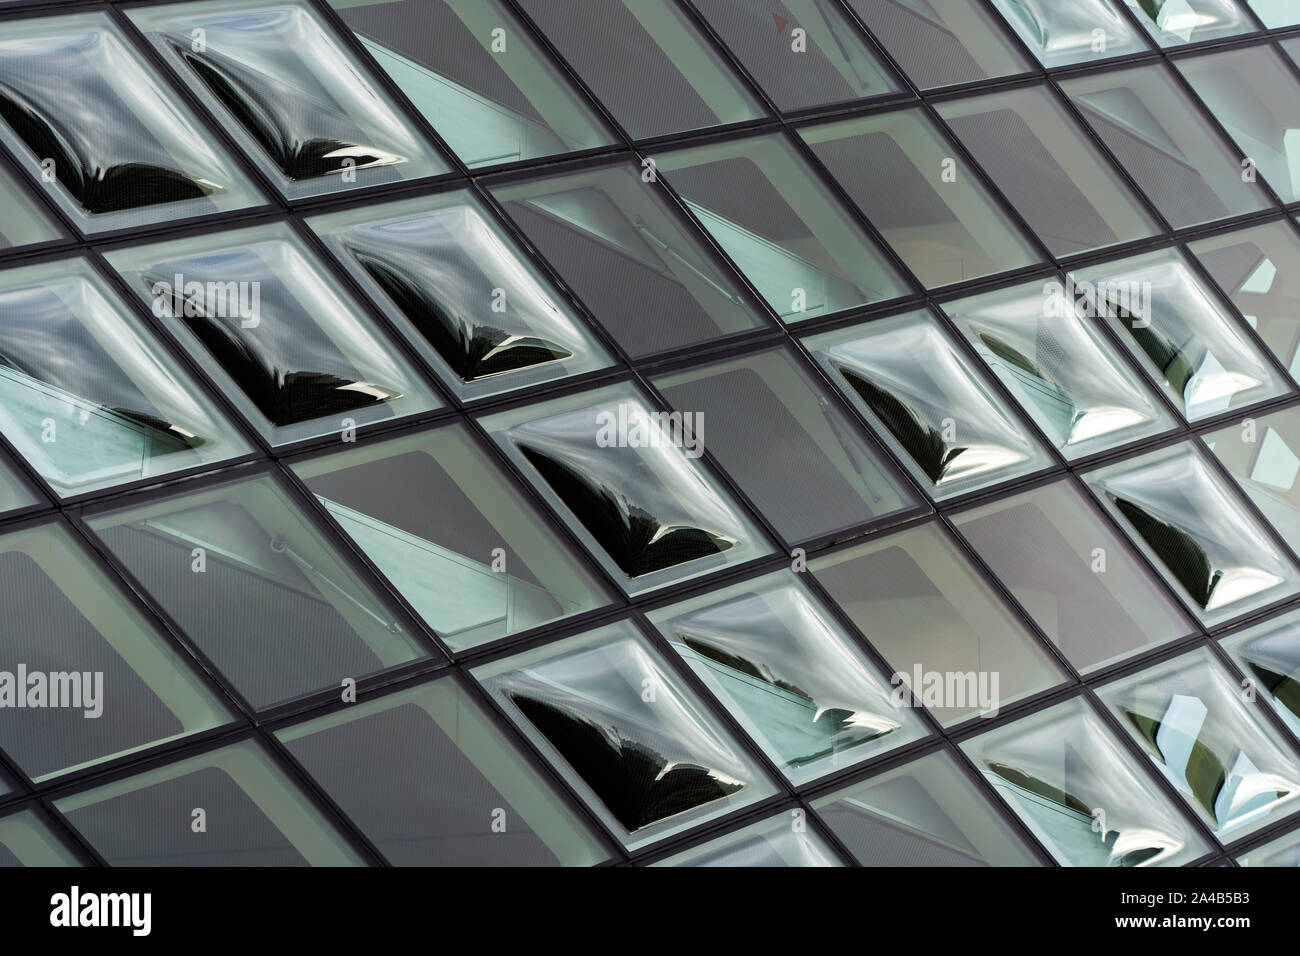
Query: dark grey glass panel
647 63
814 473
481 312
1258 268
1049 169
904 175
259 311
805 53
261 592
298 102
446 788
478 76
941 42
1176 157
458 541
1066 776
84 114
922 605
785 840
97 680
27 840
1073 575
87 396
629 478
630 737
230 807
632 260
924 813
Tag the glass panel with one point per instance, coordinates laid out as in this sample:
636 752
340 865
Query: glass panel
781 841
296 619
1071 782
1232 769
631 258
77 102
482 314
903 175
1269 655
941 42
635 743
645 61
1276 13
1081 31
627 476
804 53
919 602
1192 525
457 541
85 396
1175 22
1060 367
1074 576
258 311
1284 851
841 481
1260 453
1049 168
791 677
928 403
253 816
95 679
26 840
428 777
924 813
1186 340
1253 93
478 76
25 222
273 75
1255 267
1168 148
781 227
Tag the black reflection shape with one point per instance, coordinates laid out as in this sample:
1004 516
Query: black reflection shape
922 441
1204 773
636 783
1180 552
831 722
1172 361
472 349
284 396
634 538
287 123
1284 687
103 155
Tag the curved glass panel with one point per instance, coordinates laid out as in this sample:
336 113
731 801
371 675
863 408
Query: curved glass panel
1188 343
1081 31
621 727
293 96
1231 768
259 817
781 841
85 395
478 76
1276 13
789 675
628 477
1176 22
296 619
452 535
1269 655
1284 851
256 309
446 788
1064 774
1060 368
1261 455
480 311
1197 532
84 115
765 208
928 404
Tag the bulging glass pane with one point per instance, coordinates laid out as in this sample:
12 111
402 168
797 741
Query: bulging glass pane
1080 31
785 840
